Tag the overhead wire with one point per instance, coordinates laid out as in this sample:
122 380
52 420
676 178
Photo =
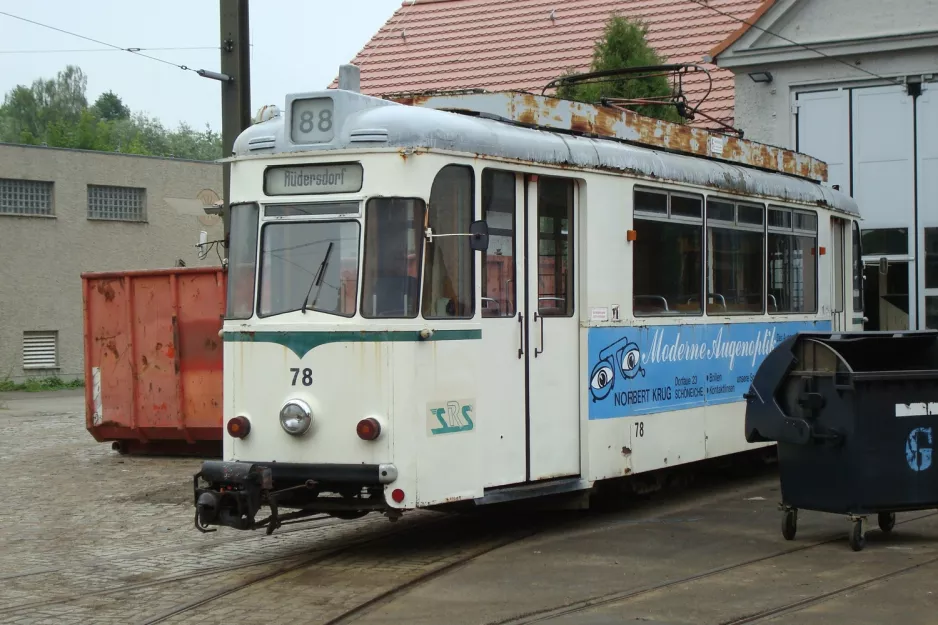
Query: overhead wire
99 42
704 4
73 50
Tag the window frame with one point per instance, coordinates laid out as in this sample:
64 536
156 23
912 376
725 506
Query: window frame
793 232
514 243
259 270
144 214
461 240
48 185
255 279
419 248
736 225
638 214
572 244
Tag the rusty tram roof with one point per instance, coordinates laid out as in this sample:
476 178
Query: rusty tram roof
539 129
601 121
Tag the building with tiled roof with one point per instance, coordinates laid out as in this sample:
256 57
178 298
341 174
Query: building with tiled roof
499 45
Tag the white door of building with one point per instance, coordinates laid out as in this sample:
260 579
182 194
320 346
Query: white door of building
868 137
926 145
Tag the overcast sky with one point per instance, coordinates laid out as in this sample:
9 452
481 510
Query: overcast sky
297 46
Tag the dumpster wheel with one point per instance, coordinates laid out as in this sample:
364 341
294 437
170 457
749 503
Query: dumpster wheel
857 537
790 523
887 521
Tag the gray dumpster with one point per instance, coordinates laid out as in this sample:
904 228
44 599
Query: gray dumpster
855 417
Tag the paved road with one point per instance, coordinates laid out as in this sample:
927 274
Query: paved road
88 536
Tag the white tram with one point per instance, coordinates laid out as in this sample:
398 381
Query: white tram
430 307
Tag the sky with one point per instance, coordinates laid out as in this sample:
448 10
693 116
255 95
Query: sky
298 45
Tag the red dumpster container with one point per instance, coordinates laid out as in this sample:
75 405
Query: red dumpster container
153 359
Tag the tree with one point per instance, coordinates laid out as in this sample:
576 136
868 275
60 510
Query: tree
56 113
624 45
109 107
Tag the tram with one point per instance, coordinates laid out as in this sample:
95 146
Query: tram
479 298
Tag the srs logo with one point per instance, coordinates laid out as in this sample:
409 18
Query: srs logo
918 450
450 417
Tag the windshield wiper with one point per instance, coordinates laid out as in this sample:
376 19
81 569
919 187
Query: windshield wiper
318 278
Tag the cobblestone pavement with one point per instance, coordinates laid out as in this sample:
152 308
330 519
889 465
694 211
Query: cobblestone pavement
89 536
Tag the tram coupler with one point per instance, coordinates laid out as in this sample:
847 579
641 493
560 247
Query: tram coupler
234 495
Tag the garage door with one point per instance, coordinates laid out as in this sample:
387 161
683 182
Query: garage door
868 137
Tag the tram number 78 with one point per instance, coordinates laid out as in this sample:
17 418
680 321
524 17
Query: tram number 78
639 429
307 376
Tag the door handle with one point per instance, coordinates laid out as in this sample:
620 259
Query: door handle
541 349
520 335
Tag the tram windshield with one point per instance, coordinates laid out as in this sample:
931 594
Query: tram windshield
310 265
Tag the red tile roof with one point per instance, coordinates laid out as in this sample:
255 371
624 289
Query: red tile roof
498 45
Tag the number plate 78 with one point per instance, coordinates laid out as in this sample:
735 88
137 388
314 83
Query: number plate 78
303 375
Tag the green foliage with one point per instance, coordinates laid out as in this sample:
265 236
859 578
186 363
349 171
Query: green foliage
56 113
624 45
109 107
39 384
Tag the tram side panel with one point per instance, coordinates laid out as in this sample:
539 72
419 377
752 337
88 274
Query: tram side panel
437 424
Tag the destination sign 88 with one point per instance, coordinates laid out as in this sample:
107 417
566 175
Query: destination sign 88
312 120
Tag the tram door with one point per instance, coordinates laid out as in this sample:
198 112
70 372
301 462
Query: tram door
838 275
552 328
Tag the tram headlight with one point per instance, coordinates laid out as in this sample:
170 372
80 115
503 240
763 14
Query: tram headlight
295 417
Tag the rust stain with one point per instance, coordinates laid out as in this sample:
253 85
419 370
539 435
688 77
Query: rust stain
527 116
605 124
159 347
579 123
105 289
170 351
112 347
146 363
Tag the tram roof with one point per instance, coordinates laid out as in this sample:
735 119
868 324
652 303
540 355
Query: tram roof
489 127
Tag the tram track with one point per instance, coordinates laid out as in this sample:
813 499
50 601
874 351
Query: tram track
795 606
488 541
307 557
597 601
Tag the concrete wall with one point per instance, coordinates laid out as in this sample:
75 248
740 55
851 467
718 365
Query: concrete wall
43 257
820 21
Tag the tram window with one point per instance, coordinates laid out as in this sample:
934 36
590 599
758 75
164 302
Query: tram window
667 255
447 285
651 201
555 247
735 241
837 260
310 265
242 261
792 262
858 270
393 250
498 263
685 206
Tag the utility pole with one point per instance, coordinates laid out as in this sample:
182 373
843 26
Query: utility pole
236 88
